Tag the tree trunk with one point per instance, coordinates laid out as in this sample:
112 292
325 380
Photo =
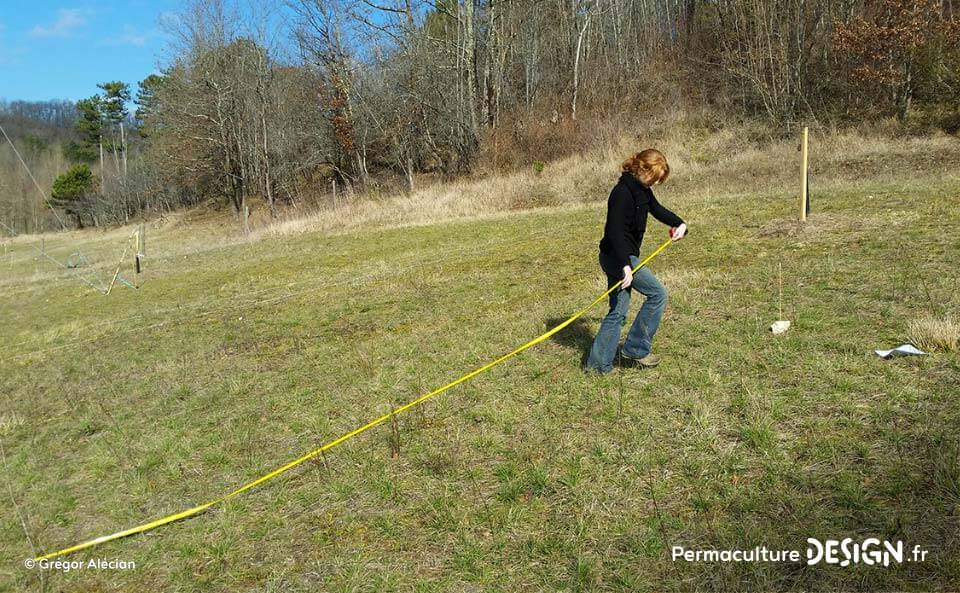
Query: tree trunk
469 48
906 94
103 180
265 157
576 66
409 168
123 148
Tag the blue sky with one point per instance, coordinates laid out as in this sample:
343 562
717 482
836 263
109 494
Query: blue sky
56 50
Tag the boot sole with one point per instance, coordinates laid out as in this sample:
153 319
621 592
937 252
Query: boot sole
635 362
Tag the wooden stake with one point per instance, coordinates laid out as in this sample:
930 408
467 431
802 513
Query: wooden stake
117 273
780 275
803 176
136 258
141 251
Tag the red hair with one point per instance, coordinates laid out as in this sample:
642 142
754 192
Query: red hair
648 166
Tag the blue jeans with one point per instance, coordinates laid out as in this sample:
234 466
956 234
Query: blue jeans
640 337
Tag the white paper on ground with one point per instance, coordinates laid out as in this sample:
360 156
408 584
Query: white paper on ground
779 327
902 350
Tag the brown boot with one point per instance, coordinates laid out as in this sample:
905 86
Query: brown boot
648 361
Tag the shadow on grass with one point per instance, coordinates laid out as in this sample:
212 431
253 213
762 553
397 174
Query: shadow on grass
578 335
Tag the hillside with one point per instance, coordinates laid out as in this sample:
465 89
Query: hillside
240 353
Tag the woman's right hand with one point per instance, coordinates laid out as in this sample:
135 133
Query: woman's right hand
677 233
627 277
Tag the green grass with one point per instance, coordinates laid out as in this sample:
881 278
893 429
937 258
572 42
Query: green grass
534 476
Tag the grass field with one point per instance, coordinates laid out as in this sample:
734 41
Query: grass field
239 355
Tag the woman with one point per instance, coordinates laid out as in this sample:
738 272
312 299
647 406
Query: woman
627 208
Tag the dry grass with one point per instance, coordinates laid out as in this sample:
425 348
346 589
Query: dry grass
738 158
10 422
708 157
935 333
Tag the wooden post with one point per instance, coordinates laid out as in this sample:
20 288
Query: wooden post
136 257
246 219
141 251
803 176
780 301
117 273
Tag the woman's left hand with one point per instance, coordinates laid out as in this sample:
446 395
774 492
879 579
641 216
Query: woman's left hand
677 233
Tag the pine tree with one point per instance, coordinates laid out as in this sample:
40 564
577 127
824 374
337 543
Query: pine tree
148 104
73 192
113 101
89 126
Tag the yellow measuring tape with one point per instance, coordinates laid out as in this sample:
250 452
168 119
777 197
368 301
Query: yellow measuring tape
201 508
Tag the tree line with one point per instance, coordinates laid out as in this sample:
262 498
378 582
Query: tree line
267 105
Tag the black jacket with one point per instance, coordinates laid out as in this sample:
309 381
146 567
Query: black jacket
627 209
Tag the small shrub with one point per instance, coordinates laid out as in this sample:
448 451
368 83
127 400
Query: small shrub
950 123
